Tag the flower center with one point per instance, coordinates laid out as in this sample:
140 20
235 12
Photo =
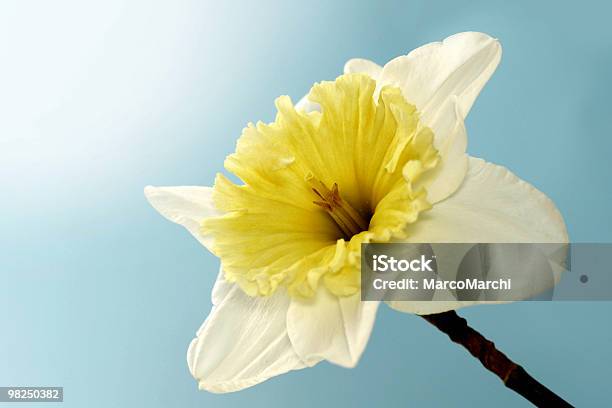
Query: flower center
348 220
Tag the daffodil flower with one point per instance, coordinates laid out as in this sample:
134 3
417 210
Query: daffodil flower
378 155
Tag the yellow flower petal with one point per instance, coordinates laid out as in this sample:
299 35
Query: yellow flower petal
317 185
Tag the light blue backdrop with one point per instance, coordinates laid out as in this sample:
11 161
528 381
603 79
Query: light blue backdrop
100 295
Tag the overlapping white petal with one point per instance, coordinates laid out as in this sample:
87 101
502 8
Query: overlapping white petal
460 66
243 341
305 105
451 142
363 66
184 205
330 328
492 205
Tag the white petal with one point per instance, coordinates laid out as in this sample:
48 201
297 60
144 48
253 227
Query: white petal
460 65
359 318
443 79
451 142
331 328
243 342
492 205
363 66
185 205
220 289
305 105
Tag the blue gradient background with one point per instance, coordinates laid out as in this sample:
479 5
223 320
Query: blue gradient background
101 295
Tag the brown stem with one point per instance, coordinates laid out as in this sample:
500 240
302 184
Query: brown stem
513 375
